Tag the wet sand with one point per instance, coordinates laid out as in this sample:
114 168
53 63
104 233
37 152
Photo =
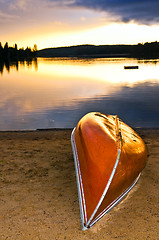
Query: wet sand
38 192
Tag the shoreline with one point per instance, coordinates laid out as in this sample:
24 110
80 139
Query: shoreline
68 129
37 130
38 194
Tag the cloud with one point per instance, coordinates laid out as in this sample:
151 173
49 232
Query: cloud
62 2
7 17
13 5
19 4
141 11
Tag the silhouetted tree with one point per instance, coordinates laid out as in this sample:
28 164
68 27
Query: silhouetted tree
35 48
11 55
1 52
1 48
6 52
15 47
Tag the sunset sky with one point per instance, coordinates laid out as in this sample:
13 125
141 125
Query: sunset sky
54 23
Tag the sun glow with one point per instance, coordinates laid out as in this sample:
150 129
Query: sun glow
61 34
99 71
118 33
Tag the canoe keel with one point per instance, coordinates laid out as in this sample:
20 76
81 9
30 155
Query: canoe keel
109 157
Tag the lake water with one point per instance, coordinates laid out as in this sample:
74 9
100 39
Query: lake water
56 93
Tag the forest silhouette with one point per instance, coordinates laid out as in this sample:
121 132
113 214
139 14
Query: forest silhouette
12 55
146 50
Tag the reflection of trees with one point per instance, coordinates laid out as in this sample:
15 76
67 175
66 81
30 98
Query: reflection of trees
11 56
16 64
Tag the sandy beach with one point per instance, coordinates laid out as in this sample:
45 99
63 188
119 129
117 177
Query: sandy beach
38 192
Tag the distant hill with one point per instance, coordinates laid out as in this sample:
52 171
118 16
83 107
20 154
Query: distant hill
147 50
84 51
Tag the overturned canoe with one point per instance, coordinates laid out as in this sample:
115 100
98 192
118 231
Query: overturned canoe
109 157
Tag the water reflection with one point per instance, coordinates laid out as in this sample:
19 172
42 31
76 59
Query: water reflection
8 65
56 93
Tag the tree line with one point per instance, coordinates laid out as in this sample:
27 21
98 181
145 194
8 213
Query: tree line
8 54
140 50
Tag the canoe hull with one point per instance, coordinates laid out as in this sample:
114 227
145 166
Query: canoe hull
109 157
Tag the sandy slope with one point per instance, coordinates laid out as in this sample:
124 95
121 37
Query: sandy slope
38 193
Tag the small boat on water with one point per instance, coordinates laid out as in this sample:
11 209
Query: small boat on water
109 157
131 67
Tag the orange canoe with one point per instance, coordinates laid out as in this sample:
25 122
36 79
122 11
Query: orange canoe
109 157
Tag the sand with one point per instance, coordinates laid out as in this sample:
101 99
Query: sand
38 192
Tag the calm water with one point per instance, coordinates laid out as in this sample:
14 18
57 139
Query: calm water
56 93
